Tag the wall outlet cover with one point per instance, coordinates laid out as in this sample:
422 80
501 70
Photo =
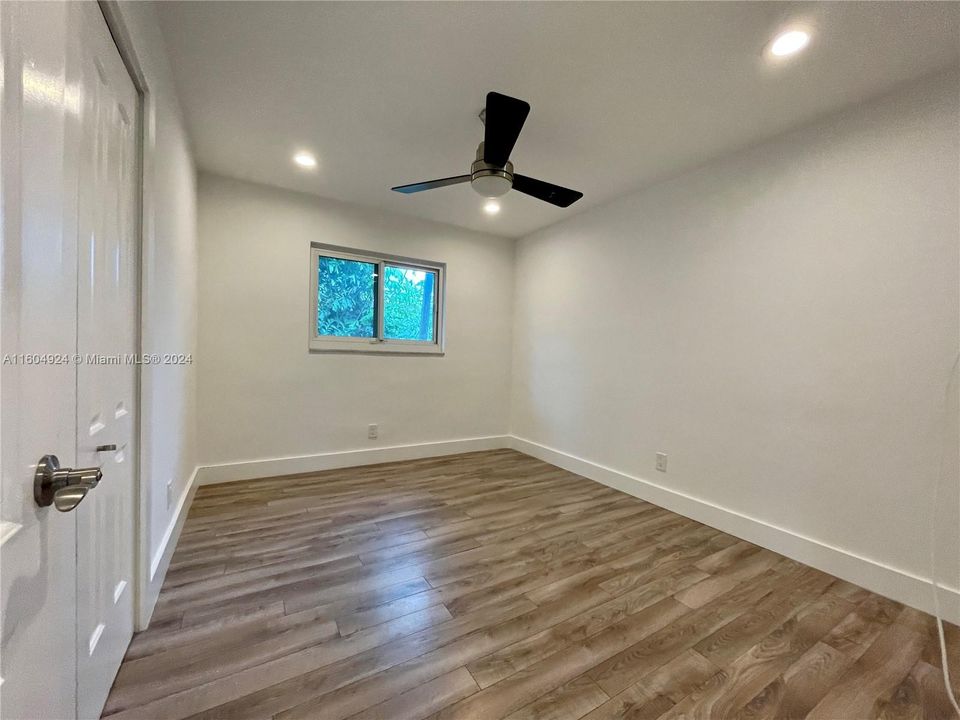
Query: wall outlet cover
662 462
372 431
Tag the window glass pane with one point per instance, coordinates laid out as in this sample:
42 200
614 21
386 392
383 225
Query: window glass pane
408 303
346 298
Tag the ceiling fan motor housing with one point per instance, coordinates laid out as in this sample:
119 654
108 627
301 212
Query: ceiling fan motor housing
490 180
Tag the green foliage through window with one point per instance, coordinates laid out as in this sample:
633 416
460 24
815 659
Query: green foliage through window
346 291
408 303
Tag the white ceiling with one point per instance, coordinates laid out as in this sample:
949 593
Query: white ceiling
621 93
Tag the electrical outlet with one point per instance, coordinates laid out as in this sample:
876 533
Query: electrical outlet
372 431
662 462
169 493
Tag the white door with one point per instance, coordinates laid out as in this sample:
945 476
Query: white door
69 188
37 390
106 380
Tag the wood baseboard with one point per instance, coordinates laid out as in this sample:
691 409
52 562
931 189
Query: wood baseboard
150 589
270 467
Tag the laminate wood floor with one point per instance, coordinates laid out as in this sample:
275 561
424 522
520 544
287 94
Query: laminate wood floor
493 585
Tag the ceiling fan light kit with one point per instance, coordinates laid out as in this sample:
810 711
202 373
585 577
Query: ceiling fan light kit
491 174
489 180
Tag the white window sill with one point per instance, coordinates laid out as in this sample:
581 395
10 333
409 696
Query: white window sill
374 347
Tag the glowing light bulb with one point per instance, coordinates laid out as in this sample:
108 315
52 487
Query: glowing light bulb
789 42
491 207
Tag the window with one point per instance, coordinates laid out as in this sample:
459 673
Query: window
369 302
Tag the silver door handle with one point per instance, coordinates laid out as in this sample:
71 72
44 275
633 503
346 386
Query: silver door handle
63 488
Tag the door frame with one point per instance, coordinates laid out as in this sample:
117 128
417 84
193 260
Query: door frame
145 154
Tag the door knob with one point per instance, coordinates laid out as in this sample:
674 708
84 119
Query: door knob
63 488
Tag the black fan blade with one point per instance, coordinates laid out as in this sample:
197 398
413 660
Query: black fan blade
431 184
553 194
503 122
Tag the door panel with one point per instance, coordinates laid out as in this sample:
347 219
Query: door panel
106 380
38 141
68 125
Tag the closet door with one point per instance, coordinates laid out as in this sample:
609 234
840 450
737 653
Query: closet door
38 339
106 379
68 125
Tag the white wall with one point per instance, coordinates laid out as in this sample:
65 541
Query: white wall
264 396
169 294
782 322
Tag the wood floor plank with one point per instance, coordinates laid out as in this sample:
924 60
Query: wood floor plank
726 557
795 692
727 579
513 658
883 666
350 622
737 683
493 585
348 603
570 701
442 659
926 693
631 664
736 637
532 682
143 688
657 692
423 700
316 679
863 626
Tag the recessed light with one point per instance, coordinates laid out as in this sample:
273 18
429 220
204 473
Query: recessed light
491 207
789 42
305 160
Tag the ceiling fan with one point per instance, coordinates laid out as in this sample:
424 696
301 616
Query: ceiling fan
491 174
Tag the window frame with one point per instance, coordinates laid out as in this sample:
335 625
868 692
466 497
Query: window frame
378 344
